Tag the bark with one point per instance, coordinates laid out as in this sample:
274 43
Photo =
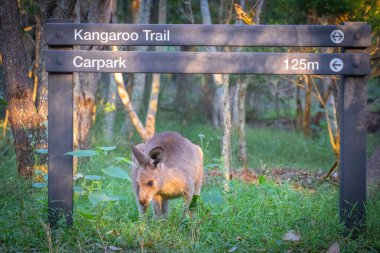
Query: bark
111 105
259 8
217 112
243 156
235 103
276 99
139 79
27 126
306 113
299 110
111 94
242 92
86 86
124 97
226 148
48 9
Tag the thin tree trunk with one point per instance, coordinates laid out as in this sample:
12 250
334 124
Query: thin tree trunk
306 114
242 92
217 113
139 79
276 99
111 105
299 110
124 97
243 156
258 11
226 148
28 130
150 122
109 119
235 103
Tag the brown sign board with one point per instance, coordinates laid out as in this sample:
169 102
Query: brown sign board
358 35
207 62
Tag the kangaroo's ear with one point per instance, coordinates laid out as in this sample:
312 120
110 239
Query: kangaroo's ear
157 155
140 156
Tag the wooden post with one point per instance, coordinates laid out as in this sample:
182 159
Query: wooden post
60 141
353 132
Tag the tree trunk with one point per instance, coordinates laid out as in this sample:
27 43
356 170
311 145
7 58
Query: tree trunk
139 79
217 112
299 110
226 148
109 118
48 9
150 122
306 114
241 130
86 86
242 92
27 126
234 92
276 99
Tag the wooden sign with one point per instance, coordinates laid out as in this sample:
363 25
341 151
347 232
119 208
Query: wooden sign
209 35
207 62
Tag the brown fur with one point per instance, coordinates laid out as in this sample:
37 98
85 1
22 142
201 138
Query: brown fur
173 165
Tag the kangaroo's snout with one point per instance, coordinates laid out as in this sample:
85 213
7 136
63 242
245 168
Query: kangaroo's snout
142 202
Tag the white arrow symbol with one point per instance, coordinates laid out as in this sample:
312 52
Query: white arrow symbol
336 65
337 36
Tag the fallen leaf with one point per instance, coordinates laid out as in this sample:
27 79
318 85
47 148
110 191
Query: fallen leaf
334 248
292 236
239 238
233 249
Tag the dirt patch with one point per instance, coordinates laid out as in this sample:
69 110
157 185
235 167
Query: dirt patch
298 178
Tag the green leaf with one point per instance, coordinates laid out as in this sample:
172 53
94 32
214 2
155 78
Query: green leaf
93 177
124 159
213 196
96 197
107 148
39 185
42 151
117 172
87 214
262 179
46 177
82 153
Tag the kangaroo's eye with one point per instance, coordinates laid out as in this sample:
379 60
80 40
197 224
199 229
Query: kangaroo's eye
150 183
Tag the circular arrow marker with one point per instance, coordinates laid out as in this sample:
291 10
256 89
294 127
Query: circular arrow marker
336 65
337 36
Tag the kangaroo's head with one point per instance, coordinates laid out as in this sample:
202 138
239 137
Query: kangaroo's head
149 176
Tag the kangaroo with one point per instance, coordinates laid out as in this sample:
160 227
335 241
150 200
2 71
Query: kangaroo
167 166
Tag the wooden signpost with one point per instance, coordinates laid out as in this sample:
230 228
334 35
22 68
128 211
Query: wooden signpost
353 65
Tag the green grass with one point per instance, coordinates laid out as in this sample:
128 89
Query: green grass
248 217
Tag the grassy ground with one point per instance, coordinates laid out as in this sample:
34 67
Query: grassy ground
249 218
